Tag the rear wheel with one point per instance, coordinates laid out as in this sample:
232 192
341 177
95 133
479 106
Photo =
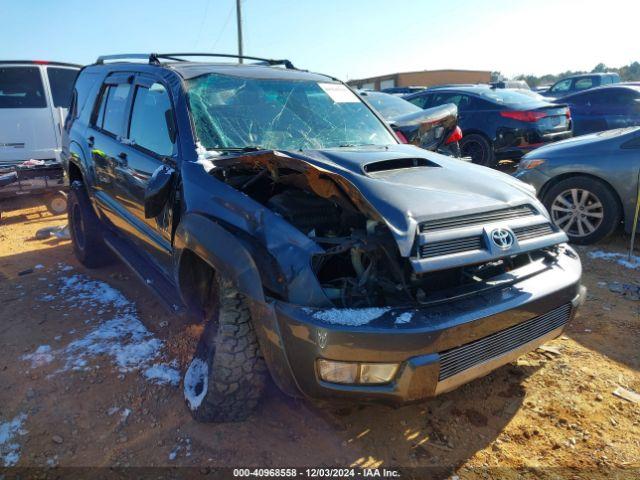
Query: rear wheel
479 149
585 208
227 375
85 229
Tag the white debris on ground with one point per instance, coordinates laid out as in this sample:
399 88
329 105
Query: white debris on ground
196 382
40 357
404 318
163 374
123 337
352 317
9 448
619 258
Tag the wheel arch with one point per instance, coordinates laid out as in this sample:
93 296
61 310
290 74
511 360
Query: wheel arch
200 239
565 176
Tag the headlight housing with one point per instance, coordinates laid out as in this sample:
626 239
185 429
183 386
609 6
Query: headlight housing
529 163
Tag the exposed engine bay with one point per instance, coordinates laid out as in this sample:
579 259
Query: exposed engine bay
361 265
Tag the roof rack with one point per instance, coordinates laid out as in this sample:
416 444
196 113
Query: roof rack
154 58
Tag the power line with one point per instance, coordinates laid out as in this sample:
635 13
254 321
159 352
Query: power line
226 22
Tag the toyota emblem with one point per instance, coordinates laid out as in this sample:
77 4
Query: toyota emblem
502 238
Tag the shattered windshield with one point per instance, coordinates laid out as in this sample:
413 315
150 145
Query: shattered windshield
232 112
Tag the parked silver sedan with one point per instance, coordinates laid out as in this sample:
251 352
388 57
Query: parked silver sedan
589 183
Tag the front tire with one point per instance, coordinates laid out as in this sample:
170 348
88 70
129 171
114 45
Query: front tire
479 149
585 208
227 375
85 229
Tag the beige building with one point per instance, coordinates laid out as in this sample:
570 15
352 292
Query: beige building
423 78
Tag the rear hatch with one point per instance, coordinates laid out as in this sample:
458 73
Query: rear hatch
26 122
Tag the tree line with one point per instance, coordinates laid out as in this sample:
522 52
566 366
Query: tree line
627 73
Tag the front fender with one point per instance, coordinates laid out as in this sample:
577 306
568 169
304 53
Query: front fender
221 250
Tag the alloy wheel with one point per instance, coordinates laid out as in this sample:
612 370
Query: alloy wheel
578 212
474 150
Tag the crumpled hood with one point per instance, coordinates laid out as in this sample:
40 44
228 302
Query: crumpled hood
404 197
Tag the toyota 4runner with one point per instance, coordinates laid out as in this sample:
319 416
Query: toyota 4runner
277 208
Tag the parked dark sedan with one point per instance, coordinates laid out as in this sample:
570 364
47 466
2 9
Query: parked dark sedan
604 108
499 123
578 83
589 183
434 129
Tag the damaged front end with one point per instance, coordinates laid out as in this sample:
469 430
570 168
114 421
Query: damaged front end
383 257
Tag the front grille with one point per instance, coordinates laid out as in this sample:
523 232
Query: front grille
447 247
461 358
478 218
533 231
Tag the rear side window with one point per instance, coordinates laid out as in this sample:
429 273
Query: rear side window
112 108
61 82
584 83
150 120
422 101
21 87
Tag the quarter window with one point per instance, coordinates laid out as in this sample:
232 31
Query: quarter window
21 87
150 120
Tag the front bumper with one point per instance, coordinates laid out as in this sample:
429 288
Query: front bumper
442 345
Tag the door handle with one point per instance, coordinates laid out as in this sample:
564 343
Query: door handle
91 140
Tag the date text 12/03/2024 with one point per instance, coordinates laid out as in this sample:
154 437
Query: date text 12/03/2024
316 473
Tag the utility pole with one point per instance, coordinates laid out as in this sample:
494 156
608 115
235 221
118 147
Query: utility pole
239 19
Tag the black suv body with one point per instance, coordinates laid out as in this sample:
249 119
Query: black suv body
276 207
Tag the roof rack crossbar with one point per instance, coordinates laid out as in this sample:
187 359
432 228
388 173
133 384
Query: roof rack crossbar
123 56
155 58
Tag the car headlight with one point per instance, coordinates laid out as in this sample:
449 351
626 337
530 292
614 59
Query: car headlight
528 164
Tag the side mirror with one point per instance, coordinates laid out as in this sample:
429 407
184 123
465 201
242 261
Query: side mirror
158 191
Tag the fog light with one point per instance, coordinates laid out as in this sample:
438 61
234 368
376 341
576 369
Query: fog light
377 372
338 372
363 373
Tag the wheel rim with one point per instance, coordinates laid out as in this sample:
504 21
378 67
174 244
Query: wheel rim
58 205
474 150
578 212
77 226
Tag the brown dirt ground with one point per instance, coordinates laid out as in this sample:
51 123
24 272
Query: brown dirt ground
543 416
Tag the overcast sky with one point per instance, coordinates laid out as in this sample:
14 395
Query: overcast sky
348 39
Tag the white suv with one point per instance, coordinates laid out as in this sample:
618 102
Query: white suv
34 100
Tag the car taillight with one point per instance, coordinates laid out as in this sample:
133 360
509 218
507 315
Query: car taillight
41 62
524 115
568 113
401 136
455 136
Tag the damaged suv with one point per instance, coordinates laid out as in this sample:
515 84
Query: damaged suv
279 210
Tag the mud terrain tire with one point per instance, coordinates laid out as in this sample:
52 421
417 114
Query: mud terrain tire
227 375
85 229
